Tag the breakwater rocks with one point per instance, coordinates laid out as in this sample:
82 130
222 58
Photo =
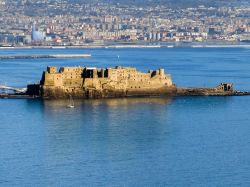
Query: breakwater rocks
223 89
47 56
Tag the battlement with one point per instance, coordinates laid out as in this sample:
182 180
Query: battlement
52 69
113 73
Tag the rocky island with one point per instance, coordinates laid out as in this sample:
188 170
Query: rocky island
95 83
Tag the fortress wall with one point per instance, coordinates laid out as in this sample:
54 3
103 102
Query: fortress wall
93 83
72 83
111 82
161 91
59 92
71 70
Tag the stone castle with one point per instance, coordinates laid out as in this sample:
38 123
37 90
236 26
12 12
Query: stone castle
88 82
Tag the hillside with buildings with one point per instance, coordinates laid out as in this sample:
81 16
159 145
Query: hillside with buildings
75 22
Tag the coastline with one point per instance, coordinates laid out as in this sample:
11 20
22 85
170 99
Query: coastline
182 45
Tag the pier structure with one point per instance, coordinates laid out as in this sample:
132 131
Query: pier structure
46 56
15 90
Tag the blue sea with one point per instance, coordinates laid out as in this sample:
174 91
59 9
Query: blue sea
179 141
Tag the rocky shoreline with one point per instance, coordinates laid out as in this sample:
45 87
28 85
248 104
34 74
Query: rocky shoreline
179 92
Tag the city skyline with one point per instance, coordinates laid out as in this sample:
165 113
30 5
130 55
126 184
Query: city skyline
74 23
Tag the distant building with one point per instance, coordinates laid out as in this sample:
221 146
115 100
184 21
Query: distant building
37 35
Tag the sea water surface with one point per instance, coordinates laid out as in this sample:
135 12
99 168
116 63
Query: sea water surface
181 141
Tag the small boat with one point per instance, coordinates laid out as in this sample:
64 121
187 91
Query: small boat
71 102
